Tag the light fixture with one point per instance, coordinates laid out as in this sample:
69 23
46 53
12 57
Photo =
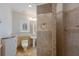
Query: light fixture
30 6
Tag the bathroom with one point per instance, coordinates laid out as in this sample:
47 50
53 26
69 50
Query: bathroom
20 32
39 29
18 29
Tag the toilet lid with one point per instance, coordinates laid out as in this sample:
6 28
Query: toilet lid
24 43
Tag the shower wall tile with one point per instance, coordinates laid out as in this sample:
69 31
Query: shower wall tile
46 35
45 18
60 31
72 37
44 47
73 17
45 8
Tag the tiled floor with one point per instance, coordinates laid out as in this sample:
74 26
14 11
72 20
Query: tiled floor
27 52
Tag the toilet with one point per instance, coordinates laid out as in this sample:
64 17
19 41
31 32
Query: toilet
24 44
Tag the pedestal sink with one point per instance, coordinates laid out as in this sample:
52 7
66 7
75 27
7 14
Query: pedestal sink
34 39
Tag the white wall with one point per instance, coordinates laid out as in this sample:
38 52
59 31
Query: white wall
10 20
6 18
16 20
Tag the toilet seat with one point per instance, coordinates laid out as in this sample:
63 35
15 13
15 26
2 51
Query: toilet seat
24 43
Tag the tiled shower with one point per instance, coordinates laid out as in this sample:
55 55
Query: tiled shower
46 29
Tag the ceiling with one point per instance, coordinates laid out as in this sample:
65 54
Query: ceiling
23 8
